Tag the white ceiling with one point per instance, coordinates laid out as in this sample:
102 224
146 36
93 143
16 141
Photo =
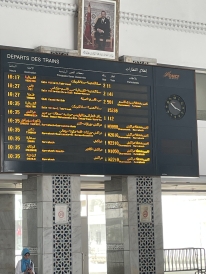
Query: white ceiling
12 183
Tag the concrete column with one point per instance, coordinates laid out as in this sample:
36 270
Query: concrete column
29 217
114 224
142 236
67 247
7 234
45 224
58 245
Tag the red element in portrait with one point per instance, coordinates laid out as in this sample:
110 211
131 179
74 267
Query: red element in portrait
87 32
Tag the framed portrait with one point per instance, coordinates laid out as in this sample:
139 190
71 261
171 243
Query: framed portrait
98 29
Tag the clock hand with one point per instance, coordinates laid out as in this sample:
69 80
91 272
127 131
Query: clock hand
174 106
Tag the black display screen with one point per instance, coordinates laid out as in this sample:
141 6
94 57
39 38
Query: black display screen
77 115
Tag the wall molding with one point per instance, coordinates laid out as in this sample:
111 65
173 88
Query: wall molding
62 8
29 206
44 6
163 23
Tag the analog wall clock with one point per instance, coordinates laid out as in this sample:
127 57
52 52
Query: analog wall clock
175 106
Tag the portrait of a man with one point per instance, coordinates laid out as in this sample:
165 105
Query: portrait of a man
99 27
102 31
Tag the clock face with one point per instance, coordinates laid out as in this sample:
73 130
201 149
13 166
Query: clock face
175 107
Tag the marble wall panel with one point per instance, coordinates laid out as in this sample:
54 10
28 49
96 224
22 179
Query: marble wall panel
125 191
6 259
126 237
29 196
115 184
116 256
6 202
40 240
157 213
7 233
40 263
40 214
125 213
75 213
157 194
6 271
159 262
45 240
77 263
44 188
29 184
7 239
134 262
25 236
34 259
114 233
113 197
32 237
75 188
47 214
127 267
114 268
114 213
47 263
133 238
76 239
132 189
158 229
132 213
31 227
6 220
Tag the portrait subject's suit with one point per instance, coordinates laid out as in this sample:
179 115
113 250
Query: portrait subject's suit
103 24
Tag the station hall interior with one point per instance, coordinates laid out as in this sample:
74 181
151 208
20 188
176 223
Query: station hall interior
79 223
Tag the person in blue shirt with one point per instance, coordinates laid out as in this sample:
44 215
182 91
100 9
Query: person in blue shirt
25 265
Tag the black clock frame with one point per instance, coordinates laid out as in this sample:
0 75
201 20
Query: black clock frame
175 112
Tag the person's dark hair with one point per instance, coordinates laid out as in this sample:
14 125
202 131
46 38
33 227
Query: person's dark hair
103 11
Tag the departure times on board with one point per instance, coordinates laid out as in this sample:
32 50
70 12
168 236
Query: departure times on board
51 119
74 115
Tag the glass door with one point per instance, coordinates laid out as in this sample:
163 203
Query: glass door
93 211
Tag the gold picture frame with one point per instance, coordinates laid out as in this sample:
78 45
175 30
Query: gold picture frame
98 29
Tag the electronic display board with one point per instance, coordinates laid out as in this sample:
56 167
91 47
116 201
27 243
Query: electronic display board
75 115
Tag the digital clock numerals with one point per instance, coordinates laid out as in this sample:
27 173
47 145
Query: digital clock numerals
13 94
14 147
14 103
20 100
14 156
15 138
14 129
105 120
14 85
115 110
106 85
14 111
14 76
13 121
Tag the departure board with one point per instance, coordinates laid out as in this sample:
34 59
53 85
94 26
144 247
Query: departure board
76 115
